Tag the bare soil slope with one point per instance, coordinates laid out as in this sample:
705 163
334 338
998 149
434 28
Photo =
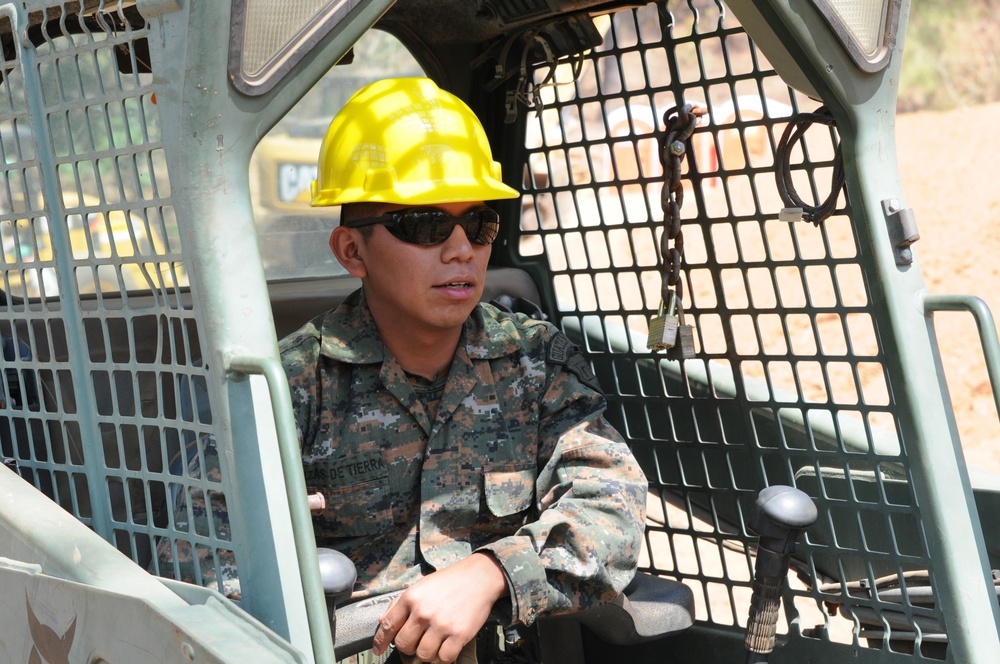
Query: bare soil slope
952 182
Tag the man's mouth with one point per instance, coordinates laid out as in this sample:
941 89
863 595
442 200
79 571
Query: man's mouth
457 284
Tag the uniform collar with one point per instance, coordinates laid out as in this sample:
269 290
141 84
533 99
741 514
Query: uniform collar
348 333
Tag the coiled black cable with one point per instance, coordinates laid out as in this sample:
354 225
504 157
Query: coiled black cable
794 132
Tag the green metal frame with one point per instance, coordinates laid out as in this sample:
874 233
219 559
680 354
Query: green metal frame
160 373
785 316
882 461
214 173
865 106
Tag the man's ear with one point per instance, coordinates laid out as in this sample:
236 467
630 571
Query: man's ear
348 246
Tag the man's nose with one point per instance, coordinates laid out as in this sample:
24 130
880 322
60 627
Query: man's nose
457 246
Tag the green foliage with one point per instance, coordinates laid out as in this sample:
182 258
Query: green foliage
951 56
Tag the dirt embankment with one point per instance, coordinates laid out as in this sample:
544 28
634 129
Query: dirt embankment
950 179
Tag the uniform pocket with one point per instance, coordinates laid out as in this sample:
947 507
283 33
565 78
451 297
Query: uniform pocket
361 509
357 492
509 491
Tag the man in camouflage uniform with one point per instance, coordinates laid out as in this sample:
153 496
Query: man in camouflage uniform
462 451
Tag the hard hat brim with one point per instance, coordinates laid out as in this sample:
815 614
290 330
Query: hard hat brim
422 193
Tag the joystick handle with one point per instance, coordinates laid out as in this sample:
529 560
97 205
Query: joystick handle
779 515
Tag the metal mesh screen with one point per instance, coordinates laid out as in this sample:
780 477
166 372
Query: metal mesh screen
789 385
106 409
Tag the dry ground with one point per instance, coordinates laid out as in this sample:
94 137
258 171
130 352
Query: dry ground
950 180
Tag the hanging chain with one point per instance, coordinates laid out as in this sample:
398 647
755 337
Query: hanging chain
680 124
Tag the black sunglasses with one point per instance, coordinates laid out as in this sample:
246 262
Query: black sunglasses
426 226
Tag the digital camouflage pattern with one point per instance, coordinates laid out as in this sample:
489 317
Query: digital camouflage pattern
194 559
518 460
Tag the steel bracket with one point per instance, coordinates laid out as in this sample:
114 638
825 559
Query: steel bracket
902 226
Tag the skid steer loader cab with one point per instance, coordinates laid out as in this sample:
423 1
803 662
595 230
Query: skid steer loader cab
710 208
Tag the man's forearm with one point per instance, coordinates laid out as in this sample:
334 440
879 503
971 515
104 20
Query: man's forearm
583 547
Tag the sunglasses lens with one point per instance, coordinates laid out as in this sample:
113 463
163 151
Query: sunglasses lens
482 226
428 227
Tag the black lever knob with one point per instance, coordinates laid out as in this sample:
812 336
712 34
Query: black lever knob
779 515
338 574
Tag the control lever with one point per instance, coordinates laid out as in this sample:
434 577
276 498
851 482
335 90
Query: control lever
338 575
336 571
778 516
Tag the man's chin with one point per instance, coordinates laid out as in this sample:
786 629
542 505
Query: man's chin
456 314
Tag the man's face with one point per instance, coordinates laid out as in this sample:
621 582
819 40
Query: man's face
414 289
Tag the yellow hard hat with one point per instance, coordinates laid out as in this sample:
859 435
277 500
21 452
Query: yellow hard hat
406 141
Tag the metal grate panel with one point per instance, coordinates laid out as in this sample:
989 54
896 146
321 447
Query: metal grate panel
107 410
790 384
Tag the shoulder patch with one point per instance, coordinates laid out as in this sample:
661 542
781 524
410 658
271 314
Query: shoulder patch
565 353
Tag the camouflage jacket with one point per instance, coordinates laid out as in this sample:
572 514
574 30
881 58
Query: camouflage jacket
518 460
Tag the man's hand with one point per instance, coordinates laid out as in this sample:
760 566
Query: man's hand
439 614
